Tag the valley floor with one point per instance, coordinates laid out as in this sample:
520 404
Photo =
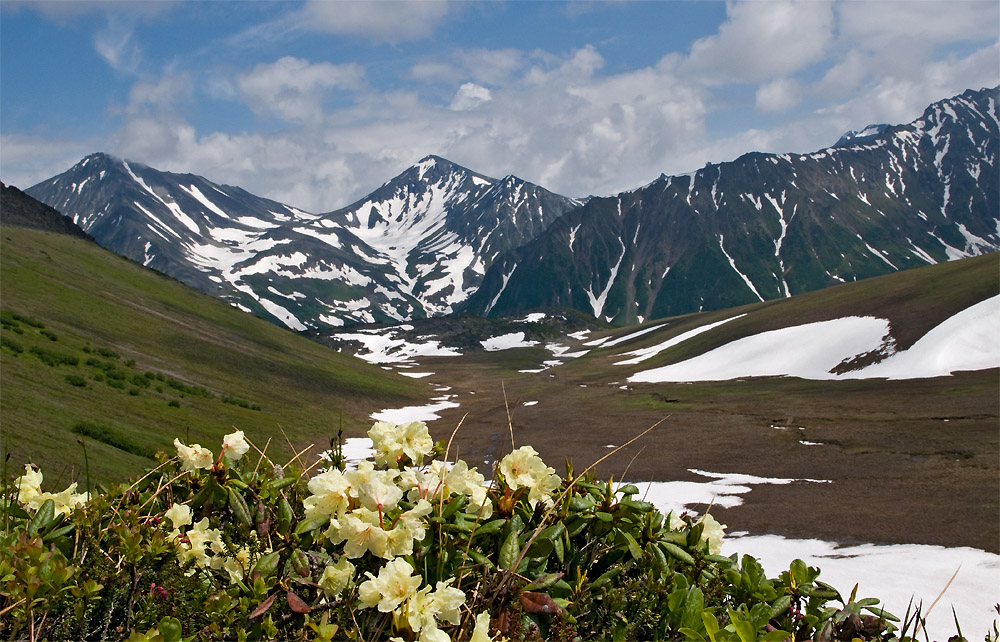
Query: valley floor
912 461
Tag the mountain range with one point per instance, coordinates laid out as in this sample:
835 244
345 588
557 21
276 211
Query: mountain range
440 238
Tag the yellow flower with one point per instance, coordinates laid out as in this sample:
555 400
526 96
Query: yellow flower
524 468
179 514
201 539
393 586
408 529
234 446
29 487
393 441
194 456
363 532
330 495
31 495
337 577
237 565
481 633
713 533
378 495
422 610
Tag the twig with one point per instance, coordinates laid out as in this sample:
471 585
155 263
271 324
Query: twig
931 607
510 419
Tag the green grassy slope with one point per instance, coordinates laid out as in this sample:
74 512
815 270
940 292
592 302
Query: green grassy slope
155 360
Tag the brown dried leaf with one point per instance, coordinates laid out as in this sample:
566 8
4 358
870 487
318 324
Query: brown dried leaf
297 604
538 603
264 606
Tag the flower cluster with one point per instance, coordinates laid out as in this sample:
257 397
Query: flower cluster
382 511
195 457
30 493
400 546
523 468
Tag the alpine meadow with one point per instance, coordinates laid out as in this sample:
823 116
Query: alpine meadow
495 322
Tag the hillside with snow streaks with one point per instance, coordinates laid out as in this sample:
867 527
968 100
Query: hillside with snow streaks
966 341
768 226
416 247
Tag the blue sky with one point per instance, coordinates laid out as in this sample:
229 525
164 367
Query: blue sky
316 103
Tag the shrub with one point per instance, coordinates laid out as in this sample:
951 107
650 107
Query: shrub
173 403
236 549
53 358
10 344
48 334
76 380
112 438
242 403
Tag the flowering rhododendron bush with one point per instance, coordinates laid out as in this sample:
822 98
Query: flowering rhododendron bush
406 546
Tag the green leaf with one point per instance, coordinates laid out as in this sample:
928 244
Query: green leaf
509 550
775 636
633 546
677 552
543 582
170 628
239 507
285 515
278 484
46 513
711 623
743 628
607 577
268 564
490 527
780 605
479 558
311 524
882 613
59 532
691 634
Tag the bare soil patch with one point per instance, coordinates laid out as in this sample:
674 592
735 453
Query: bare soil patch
908 461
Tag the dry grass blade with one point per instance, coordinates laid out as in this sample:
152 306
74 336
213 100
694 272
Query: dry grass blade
936 600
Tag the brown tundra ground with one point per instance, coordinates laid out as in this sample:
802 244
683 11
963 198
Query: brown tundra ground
912 461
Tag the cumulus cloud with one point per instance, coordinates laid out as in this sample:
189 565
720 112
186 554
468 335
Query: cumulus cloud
391 21
295 89
764 40
469 96
778 95
563 119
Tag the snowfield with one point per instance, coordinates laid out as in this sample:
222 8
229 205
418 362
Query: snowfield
967 341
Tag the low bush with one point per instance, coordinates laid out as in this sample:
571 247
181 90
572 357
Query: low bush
53 358
403 547
111 438
10 344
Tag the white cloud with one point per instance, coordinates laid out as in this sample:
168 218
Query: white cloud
162 95
295 89
28 159
116 44
778 95
391 21
562 120
469 96
764 40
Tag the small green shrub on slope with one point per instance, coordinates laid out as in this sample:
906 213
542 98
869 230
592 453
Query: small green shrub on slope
243 547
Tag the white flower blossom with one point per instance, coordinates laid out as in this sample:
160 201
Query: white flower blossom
194 456
234 446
